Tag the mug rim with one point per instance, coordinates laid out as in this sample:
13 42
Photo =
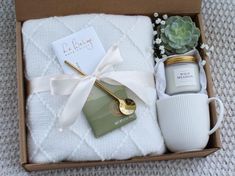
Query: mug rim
184 95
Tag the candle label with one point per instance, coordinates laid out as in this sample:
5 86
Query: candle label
184 77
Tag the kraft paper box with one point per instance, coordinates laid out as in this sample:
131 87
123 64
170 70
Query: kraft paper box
28 9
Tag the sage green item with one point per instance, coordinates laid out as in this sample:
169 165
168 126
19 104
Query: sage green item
102 111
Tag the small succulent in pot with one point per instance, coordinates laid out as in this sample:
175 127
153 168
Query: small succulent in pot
178 34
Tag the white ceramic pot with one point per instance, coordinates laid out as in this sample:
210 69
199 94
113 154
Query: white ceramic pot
185 121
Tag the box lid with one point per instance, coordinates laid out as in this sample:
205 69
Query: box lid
30 9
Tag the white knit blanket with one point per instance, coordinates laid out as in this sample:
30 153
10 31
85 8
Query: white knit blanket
133 35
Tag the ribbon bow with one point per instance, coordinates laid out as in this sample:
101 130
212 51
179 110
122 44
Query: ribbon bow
79 87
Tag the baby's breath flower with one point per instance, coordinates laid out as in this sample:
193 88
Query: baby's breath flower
165 16
202 46
154 32
163 51
203 62
158 21
158 40
162 30
161 47
155 14
163 22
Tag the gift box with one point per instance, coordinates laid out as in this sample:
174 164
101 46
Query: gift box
27 9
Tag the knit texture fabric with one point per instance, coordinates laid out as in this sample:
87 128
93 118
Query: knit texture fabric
133 36
219 29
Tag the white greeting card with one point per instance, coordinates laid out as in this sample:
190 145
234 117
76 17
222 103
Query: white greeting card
82 48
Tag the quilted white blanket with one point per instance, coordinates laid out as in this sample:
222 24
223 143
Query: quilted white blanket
133 35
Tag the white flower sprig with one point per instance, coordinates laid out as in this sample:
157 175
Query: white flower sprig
163 22
203 62
158 21
208 50
162 52
165 16
161 47
204 46
155 14
157 41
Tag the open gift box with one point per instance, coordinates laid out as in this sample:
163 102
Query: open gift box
28 9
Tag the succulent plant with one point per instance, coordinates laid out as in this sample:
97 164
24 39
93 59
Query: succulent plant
178 34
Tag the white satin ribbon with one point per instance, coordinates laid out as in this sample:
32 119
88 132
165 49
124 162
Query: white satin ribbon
140 83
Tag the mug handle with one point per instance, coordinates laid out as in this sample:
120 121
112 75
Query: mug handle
221 114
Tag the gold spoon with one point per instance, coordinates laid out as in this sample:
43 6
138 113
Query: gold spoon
126 106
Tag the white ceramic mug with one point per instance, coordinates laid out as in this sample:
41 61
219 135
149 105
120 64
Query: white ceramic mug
185 121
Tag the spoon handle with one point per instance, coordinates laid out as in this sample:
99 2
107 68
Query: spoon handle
97 83
74 67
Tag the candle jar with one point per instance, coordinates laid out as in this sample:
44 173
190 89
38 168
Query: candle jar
182 75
